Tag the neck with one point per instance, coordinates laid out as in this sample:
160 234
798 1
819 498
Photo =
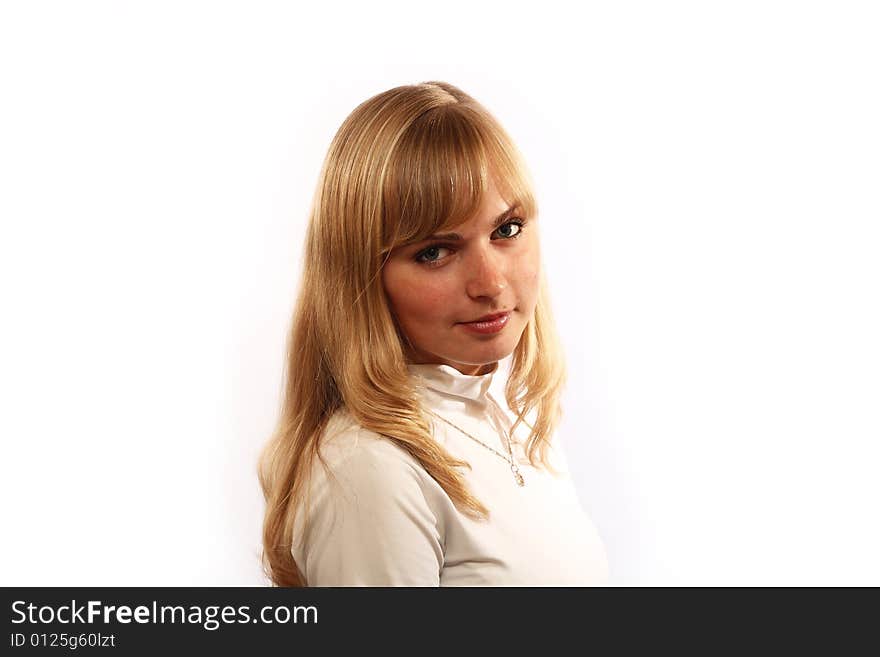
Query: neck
469 370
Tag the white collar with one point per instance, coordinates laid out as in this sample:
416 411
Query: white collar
448 380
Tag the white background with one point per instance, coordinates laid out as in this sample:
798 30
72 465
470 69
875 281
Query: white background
708 182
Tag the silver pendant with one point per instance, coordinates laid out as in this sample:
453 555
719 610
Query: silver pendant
516 475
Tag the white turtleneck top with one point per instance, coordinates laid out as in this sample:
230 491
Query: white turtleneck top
379 519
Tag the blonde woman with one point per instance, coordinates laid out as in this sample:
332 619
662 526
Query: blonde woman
396 461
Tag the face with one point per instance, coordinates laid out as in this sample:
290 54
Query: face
464 298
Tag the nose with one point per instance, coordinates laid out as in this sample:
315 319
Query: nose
485 278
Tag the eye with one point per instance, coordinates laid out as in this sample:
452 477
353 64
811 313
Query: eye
511 229
431 254
434 254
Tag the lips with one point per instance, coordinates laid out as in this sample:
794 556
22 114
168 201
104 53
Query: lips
488 324
488 318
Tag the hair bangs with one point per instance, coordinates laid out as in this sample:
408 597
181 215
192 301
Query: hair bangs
440 171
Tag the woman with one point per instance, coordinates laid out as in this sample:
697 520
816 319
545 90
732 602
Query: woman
394 462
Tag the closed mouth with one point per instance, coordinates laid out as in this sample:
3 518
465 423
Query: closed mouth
488 318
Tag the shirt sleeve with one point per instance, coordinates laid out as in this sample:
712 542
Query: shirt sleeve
370 522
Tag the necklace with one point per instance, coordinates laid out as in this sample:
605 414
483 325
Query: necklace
514 468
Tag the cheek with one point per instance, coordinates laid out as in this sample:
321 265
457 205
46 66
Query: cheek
527 275
414 300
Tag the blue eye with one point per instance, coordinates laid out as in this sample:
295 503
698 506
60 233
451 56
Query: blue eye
431 254
516 223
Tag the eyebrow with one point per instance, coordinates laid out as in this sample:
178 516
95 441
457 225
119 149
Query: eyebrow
455 237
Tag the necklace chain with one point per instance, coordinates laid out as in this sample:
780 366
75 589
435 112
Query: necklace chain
517 475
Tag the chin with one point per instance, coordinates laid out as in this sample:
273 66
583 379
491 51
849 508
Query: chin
487 356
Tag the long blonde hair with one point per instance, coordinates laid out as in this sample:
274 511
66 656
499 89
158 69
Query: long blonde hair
404 164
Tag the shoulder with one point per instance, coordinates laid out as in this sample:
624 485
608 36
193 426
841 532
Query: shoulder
348 448
361 467
373 515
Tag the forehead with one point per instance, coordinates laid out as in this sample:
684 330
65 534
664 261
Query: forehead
490 210
451 165
484 221
485 207
476 212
